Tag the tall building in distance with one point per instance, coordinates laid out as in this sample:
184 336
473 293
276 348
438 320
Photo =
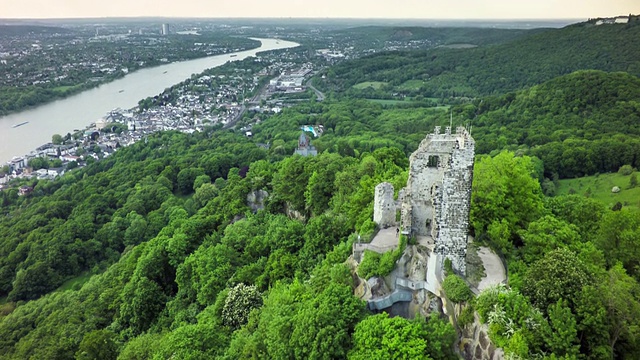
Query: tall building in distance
165 29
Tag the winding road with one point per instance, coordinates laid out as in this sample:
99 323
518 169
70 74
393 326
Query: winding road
319 93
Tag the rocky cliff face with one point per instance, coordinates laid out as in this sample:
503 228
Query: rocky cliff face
256 199
475 343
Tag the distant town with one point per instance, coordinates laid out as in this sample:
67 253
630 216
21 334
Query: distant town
232 96
222 97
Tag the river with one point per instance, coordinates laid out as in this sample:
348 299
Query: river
80 110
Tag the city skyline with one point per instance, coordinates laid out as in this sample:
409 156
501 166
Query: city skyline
399 9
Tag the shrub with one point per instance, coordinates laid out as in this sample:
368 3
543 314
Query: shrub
368 268
625 170
374 264
239 303
466 316
368 229
456 289
448 266
633 181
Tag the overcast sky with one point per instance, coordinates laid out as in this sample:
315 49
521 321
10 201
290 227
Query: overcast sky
427 9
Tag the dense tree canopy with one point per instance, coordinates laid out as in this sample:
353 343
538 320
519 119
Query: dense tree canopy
154 252
488 70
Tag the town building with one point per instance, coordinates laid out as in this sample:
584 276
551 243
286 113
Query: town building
304 146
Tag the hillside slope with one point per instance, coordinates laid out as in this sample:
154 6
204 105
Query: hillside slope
578 124
497 69
372 35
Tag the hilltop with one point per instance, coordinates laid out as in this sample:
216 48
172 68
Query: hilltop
493 69
371 36
578 124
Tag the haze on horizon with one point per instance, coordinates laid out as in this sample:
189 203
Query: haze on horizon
409 9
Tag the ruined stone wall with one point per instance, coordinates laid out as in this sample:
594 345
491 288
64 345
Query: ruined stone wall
439 192
455 206
384 207
427 166
405 226
436 201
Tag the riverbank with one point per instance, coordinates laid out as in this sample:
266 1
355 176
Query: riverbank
38 96
75 112
192 111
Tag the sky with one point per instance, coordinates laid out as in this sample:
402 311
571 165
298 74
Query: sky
412 9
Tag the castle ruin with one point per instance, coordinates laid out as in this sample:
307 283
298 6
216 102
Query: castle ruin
435 203
384 209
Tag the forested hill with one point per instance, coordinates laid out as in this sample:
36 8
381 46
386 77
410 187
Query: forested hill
589 104
496 69
183 269
157 251
371 35
582 123
159 224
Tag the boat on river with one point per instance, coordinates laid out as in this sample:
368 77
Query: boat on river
20 124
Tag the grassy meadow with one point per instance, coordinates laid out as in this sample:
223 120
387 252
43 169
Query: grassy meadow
599 187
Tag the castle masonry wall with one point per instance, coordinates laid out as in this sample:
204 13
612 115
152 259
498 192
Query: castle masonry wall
384 207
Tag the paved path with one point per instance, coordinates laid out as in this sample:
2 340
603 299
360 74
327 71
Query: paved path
495 272
386 238
384 241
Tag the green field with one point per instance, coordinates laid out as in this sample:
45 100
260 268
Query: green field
411 85
386 102
599 187
76 282
373 84
62 89
389 102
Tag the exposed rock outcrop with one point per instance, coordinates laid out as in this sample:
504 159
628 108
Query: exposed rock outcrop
256 199
476 345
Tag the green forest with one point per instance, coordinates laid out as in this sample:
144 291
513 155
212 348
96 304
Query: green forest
523 62
368 37
156 253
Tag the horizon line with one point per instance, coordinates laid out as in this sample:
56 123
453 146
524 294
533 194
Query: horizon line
297 18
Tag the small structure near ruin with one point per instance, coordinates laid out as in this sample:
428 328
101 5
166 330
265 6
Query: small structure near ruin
435 204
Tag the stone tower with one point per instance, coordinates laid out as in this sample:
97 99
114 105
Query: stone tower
384 207
438 193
